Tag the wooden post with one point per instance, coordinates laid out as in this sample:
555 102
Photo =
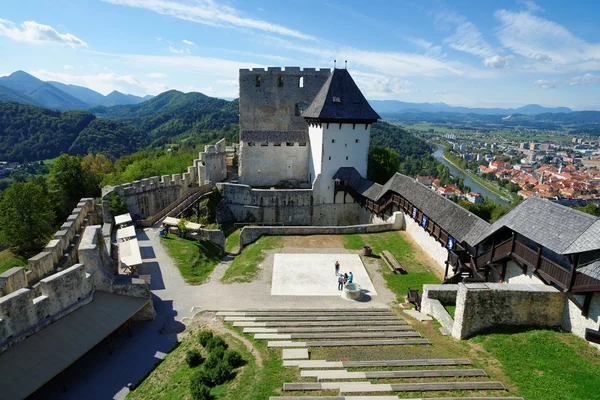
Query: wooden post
63 379
503 276
109 345
572 274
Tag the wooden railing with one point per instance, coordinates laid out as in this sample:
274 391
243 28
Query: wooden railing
454 280
201 190
502 250
484 259
526 254
556 273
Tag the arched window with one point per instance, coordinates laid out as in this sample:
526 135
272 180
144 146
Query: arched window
258 80
280 81
300 107
301 82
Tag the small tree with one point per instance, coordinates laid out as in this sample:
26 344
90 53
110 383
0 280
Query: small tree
204 337
26 217
193 358
117 205
181 226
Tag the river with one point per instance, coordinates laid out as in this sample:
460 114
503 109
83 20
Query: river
475 187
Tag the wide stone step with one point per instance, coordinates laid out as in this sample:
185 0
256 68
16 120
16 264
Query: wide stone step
381 328
366 387
307 310
301 314
271 324
386 398
378 363
339 343
322 375
316 318
338 335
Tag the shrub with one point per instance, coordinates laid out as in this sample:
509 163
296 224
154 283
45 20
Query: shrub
202 377
221 373
212 361
233 358
193 358
215 342
199 391
204 337
218 352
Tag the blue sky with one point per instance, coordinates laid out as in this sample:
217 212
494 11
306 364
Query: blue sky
475 53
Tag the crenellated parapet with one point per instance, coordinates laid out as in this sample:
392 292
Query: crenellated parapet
26 311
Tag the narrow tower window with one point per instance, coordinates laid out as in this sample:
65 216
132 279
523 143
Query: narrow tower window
301 82
258 80
280 81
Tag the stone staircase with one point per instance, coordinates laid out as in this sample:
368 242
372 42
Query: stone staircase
297 331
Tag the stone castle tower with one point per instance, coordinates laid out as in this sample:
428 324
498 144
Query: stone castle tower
298 127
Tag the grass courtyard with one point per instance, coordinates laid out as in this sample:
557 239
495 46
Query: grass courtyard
194 259
534 364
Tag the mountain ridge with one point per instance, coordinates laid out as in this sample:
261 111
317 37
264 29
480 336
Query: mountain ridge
397 107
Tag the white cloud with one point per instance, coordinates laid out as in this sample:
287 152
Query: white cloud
104 82
586 79
546 84
550 45
207 12
68 67
156 75
176 51
228 82
376 86
188 42
495 62
531 6
467 38
33 32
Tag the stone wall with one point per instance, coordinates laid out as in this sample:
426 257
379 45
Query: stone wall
251 234
62 250
147 197
276 164
288 207
482 306
212 166
267 104
574 321
427 242
12 280
93 254
22 313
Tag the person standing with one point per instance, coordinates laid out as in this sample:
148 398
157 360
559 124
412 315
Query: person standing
337 268
350 277
340 282
345 278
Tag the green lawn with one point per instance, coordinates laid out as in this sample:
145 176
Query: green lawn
8 260
232 238
244 267
418 274
195 260
545 364
451 310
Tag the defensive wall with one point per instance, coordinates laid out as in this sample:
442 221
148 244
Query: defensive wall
212 163
274 158
147 197
60 253
29 309
485 306
272 99
250 234
287 207
573 319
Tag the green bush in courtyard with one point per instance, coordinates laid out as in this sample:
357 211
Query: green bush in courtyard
204 337
215 342
233 358
199 391
221 373
193 358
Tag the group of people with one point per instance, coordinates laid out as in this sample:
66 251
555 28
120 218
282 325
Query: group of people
342 278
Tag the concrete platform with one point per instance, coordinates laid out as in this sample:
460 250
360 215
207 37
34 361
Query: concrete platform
378 328
295 354
274 324
330 374
336 335
365 387
418 315
340 343
314 274
378 363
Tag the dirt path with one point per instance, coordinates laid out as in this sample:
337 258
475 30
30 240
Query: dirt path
313 241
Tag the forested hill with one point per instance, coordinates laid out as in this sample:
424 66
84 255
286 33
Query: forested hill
174 113
399 140
33 133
